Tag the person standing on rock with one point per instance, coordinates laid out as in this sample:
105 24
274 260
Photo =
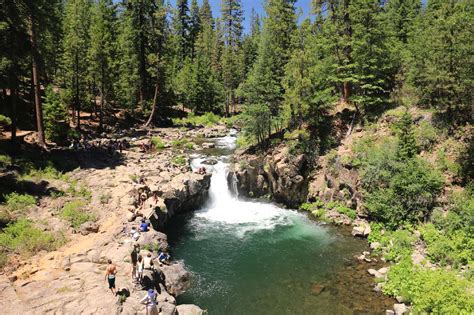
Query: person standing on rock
110 274
150 301
134 259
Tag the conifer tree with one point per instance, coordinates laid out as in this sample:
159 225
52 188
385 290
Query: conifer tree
406 138
232 18
75 57
181 26
194 25
102 52
441 61
264 85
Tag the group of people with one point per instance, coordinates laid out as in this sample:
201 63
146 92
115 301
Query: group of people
140 264
144 227
112 146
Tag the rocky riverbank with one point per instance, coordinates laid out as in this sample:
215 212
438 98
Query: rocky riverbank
152 184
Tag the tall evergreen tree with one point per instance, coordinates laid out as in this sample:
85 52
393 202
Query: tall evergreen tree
441 63
75 46
181 26
232 66
264 86
194 25
102 51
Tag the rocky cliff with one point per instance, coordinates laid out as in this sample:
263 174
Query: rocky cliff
277 174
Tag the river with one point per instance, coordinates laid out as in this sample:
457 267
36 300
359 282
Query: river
252 257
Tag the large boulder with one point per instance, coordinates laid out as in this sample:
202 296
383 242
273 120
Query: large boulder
177 278
88 227
189 309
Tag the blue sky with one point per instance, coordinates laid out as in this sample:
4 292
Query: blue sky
303 5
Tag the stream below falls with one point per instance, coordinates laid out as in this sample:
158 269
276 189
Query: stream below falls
251 257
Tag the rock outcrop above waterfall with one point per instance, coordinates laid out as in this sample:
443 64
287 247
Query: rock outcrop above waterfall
278 174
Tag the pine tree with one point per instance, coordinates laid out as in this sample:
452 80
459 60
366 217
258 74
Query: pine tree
205 14
14 52
102 52
232 67
75 58
127 85
264 85
181 26
55 116
406 138
441 61
157 58
194 25
372 65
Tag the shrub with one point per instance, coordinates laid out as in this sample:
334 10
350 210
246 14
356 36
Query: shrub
409 196
158 143
398 245
455 248
74 213
4 121
311 206
5 160
105 198
19 202
207 119
178 143
179 160
429 291
22 237
426 135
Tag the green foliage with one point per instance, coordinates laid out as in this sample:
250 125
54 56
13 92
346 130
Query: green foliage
74 213
257 122
208 119
179 160
22 237
456 248
409 195
46 172
105 198
56 121
5 121
81 192
19 202
5 160
407 147
426 135
446 163
158 143
449 238
431 291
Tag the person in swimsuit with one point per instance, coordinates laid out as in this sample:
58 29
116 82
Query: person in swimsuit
110 274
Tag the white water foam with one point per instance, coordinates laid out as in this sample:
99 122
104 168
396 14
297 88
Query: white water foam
225 211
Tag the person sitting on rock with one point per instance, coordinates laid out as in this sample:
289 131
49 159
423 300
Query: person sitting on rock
110 274
163 257
134 234
144 226
150 301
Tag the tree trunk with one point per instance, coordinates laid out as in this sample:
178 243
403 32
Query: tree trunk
101 109
36 83
351 127
13 98
155 98
78 103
